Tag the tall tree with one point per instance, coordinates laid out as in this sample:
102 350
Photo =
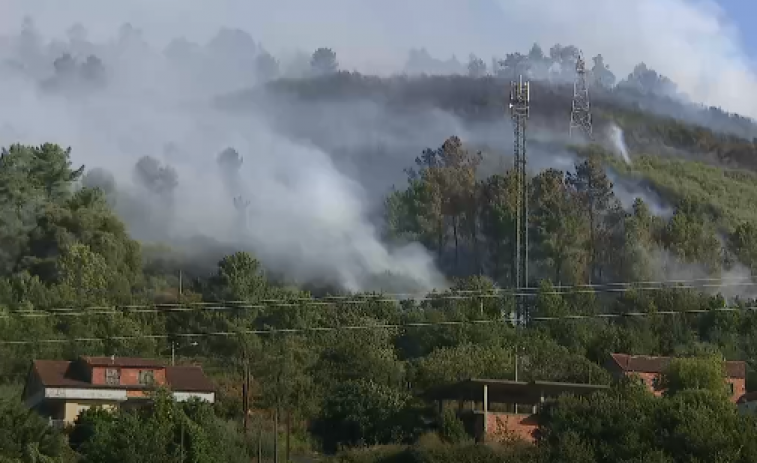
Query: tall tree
266 67
323 62
557 229
498 222
593 191
476 66
601 74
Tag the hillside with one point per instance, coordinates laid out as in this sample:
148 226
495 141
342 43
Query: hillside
725 191
407 180
651 122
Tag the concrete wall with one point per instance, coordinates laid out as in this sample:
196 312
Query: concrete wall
505 426
71 410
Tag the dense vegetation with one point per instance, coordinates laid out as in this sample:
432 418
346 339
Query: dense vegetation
339 374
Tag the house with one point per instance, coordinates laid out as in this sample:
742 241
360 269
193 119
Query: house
503 408
648 369
61 389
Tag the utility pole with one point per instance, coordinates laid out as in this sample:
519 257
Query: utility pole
276 434
260 443
288 448
246 395
182 439
580 114
174 345
520 100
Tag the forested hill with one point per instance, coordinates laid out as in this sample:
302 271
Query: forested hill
349 371
696 179
651 122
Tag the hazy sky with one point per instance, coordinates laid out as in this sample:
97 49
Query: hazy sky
308 214
686 39
743 14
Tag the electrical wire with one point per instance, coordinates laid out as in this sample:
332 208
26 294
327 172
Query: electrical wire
239 305
315 329
494 293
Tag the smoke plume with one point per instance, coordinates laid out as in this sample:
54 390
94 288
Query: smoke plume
616 138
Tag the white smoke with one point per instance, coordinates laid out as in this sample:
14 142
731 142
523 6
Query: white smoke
307 219
682 39
616 137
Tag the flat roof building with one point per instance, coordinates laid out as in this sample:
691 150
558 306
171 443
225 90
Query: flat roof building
504 408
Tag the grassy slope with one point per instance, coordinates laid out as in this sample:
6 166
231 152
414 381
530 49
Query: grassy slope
731 193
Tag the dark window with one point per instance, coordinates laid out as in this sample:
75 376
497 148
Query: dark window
146 377
112 376
730 388
657 383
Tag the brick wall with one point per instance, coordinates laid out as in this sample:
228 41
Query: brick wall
98 375
129 376
739 388
505 426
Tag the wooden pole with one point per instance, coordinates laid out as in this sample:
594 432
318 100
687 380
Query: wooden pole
246 396
289 433
276 435
260 442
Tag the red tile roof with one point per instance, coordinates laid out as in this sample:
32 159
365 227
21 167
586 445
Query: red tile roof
64 373
125 362
649 364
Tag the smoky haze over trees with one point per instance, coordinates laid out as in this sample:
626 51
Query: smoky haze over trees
210 172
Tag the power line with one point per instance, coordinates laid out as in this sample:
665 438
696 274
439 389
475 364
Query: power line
452 294
367 299
378 326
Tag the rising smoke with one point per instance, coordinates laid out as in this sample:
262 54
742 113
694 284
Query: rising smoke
618 143
302 207
161 152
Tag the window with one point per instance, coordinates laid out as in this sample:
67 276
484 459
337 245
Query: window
730 388
657 383
112 376
146 377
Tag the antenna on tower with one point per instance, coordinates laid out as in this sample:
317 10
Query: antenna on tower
580 114
520 101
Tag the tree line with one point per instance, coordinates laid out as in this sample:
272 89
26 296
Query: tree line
339 388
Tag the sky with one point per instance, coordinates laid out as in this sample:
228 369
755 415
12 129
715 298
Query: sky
743 13
686 40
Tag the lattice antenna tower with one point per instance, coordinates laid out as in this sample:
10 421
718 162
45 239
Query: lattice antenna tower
520 101
580 114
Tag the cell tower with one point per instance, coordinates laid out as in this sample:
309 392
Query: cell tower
520 100
580 114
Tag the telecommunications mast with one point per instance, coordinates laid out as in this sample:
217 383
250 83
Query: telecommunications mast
580 114
520 100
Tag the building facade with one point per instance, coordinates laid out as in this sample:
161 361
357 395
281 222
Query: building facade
648 370
60 390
